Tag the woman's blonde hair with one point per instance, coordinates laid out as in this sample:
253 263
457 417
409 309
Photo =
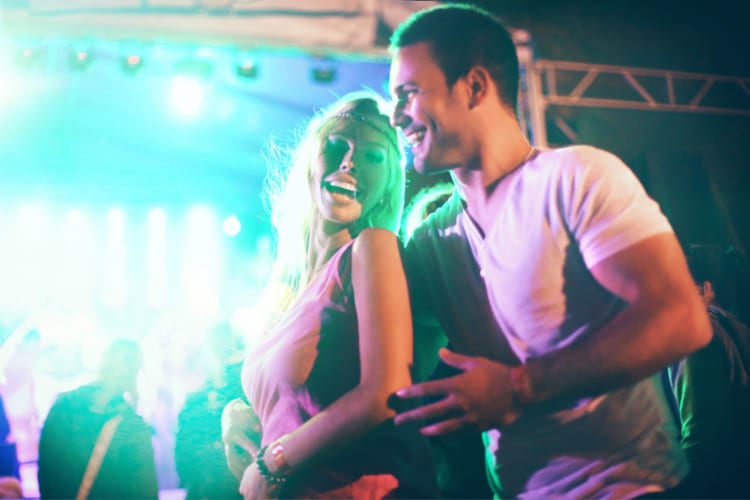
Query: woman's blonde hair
288 191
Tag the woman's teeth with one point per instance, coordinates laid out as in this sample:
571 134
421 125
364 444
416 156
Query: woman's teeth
343 187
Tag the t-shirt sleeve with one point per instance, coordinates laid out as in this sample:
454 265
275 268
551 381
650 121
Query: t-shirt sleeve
605 205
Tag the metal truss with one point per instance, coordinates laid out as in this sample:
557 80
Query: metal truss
563 83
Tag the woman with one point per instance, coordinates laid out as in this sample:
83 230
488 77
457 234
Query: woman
320 378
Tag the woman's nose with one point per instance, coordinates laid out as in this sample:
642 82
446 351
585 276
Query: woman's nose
347 166
347 163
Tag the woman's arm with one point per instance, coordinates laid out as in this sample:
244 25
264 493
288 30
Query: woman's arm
385 351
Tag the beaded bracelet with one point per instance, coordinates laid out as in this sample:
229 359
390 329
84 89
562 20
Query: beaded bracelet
263 468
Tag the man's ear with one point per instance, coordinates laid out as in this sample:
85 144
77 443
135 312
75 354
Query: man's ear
479 83
707 292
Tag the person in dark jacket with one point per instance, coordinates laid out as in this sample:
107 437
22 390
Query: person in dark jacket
712 391
75 422
199 450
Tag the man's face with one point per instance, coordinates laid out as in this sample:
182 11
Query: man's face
431 115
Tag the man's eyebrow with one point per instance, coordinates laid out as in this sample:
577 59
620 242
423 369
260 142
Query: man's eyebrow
400 87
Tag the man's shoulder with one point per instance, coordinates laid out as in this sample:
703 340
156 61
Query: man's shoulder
576 157
573 151
80 396
443 217
573 172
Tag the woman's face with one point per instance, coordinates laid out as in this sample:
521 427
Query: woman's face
350 173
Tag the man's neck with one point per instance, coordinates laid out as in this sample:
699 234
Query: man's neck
477 184
502 148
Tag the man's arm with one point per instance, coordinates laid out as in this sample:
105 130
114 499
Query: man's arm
663 322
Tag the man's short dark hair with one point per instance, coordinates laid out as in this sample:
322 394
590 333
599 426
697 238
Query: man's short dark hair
462 37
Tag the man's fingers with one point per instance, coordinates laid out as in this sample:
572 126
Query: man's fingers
443 427
431 388
455 360
440 409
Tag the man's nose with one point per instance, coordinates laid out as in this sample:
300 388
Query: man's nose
398 117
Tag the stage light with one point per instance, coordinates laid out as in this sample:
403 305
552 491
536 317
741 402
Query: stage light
323 74
156 259
132 63
186 95
26 241
80 59
28 57
247 68
231 226
201 266
76 272
115 284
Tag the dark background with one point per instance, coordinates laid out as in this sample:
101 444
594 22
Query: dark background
696 165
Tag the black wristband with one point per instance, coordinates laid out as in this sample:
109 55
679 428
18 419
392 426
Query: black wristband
263 468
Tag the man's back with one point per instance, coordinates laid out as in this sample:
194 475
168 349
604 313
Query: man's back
68 437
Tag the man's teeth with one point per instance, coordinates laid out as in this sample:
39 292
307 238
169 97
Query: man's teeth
415 137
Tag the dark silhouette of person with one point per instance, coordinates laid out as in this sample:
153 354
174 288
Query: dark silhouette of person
712 390
199 450
75 421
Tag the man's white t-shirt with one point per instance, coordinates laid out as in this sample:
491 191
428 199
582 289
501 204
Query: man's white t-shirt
547 223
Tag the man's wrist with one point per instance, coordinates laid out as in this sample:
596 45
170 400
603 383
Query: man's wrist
520 385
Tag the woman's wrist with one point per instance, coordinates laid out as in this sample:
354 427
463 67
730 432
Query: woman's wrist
272 463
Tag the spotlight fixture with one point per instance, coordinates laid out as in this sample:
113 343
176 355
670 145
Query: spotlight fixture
80 59
323 74
132 63
27 57
247 69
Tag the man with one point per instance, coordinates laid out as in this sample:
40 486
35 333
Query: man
584 277
93 444
712 390
199 456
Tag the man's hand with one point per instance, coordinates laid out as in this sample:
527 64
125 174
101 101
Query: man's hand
480 397
240 431
10 487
